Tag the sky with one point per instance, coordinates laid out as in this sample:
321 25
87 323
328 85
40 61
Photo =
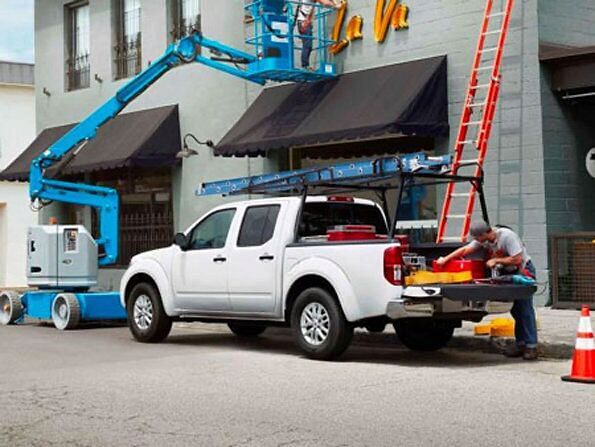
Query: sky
16 30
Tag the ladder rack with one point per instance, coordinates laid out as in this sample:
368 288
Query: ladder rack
477 118
344 174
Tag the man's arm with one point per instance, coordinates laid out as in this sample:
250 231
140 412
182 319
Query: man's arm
330 3
459 253
516 260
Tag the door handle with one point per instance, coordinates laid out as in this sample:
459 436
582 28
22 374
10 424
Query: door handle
266 257
219 259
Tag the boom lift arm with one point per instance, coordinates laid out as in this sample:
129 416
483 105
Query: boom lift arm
256 68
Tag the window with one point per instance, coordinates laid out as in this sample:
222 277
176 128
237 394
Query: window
212 231
318 217
78 44
185 16
258 225
128 55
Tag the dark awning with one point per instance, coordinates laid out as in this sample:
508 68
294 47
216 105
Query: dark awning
148 138
573 68
400 99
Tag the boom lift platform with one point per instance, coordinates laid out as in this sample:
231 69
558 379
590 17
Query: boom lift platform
63 260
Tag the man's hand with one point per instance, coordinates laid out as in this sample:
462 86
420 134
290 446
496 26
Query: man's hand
492 263
441 261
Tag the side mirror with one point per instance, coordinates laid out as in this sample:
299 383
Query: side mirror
181 241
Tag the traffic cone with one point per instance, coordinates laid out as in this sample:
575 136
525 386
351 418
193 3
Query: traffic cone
583 360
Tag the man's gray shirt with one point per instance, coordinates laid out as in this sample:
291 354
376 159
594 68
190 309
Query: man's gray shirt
507 243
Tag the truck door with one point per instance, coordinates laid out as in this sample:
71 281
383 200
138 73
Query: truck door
199 273
256 260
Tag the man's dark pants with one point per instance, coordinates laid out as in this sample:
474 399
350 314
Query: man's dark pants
525 330
306 46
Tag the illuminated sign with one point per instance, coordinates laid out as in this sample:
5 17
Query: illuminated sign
394 14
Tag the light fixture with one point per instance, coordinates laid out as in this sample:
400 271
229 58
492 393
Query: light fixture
187 151
46 92
98 78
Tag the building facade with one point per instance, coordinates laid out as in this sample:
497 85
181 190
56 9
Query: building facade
17 130
535 177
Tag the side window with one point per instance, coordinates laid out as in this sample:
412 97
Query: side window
212 232
258 225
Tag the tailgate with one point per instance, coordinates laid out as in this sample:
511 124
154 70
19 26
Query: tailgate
487 292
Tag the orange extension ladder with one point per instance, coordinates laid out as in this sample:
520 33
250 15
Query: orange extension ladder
478 113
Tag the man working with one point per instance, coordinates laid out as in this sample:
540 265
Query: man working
304 19
505 248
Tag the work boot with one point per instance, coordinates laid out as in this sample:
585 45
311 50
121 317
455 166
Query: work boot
514 351
530 354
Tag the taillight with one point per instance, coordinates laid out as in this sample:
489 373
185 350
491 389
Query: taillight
393 265
339 199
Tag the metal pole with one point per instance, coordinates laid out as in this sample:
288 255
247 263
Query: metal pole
394 222
298 221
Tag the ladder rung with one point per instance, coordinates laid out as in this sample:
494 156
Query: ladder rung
478 104
471 123
486 68
489 50
477 87
497 14
490 33
468 162
467 142
460 194
456 216
451 238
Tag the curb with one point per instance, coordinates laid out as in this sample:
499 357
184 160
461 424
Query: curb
489 345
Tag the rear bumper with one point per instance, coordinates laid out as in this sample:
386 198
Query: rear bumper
464 301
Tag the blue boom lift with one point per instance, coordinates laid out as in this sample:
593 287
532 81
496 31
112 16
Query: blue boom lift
63 260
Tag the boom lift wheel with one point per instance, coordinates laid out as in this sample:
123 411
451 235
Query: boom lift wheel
11 307
66 311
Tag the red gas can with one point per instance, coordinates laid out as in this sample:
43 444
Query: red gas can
477 267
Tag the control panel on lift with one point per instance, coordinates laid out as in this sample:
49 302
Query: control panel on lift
62 256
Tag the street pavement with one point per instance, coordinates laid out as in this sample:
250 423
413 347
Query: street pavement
204 386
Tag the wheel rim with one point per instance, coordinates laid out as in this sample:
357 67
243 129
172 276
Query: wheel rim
5 309
143 312
315 324
60 313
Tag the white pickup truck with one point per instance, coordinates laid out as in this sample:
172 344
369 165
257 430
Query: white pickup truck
269 262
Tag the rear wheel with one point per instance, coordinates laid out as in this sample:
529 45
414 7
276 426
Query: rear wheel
66 311
319 326
424 335
147 320
11 307
246 329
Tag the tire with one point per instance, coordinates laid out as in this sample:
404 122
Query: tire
423 335
315 304
147 320
11 307
66 311
245 329
376 327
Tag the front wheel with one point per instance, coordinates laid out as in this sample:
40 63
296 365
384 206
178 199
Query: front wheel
147 320
423 335
11 307
319 326
66 311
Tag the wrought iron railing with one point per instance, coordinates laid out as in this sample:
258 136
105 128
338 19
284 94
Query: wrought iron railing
128 57
78 72
573 270
184 27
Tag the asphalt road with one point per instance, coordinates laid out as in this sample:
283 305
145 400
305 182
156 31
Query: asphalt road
204 386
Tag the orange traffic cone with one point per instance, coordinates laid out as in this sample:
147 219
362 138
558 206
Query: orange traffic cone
583 360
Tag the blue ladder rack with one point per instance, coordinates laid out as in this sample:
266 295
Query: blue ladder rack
359 172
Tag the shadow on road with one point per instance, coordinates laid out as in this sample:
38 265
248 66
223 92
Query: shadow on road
369 351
